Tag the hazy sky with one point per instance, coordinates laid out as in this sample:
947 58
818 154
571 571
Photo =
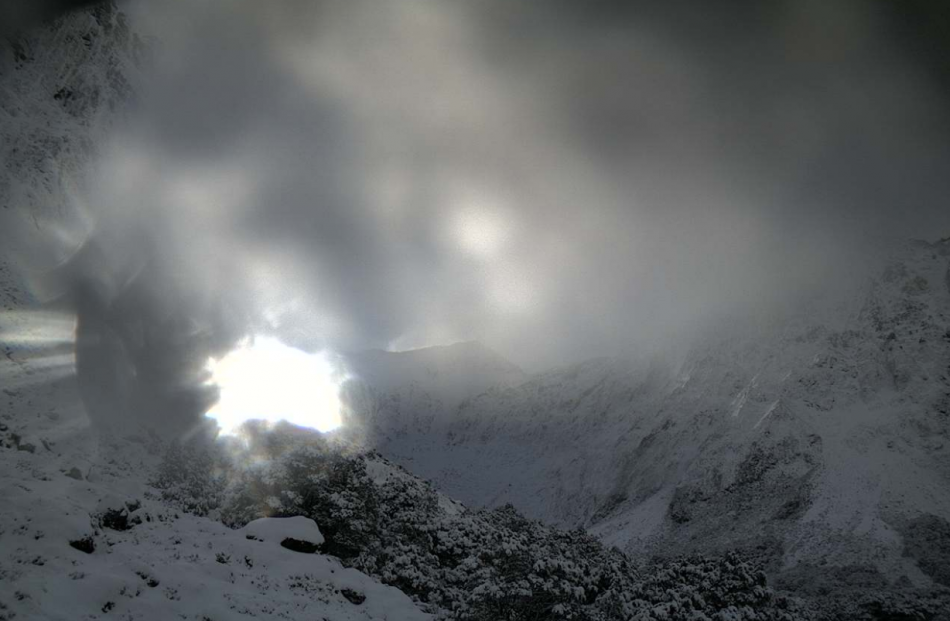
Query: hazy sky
558 179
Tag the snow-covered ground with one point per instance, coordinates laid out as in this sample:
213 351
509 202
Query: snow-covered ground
62 560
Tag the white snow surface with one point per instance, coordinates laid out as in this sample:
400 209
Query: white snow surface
167 566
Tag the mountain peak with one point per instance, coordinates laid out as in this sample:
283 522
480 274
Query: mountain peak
472 355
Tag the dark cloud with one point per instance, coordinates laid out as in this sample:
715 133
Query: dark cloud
558 179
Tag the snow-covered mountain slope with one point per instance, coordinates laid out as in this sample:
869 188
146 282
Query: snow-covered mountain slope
392 394
456 371
824 438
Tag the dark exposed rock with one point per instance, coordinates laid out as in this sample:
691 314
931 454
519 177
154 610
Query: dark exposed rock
21 444
116 519
791 509
754 466
679 510
298 545
121 518
927 541
86 544
916 286
354 597
149 580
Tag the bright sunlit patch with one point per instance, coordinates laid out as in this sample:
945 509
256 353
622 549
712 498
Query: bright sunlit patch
479 224
34 328
263 379
38 346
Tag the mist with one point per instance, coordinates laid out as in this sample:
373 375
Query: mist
480 309
557 182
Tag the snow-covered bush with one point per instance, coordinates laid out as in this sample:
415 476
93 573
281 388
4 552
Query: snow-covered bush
191 477
315 482
533 572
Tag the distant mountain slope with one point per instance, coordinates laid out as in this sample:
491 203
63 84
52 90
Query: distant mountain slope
455 371
391 394
822 439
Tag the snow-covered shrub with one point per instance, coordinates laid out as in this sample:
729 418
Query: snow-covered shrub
530 571
191 477
724 588
312 480
909 604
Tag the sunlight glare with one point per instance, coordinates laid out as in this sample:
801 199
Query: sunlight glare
263 379
480 225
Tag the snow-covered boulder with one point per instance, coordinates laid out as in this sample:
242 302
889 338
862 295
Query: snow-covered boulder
296 533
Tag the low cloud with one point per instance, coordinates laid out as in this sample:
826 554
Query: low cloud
555 179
